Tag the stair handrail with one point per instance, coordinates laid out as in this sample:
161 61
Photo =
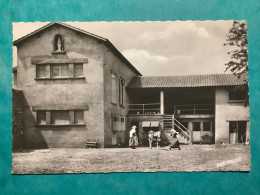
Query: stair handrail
179 123
183 131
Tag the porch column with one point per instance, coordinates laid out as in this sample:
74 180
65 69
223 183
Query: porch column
162 102
247 131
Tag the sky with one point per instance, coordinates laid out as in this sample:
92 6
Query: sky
159 48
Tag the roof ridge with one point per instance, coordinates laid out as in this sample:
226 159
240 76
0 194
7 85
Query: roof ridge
188 75
60 23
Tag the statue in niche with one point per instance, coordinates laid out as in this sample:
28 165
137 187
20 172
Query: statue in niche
58 44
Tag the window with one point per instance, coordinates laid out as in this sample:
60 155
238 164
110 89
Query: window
238 93
237 130
116 119
232 127
235 126
118 123
65 70
78 70
196 126
59 70
60 117
41 71
79 116
206 126
113 88
121 92
41 117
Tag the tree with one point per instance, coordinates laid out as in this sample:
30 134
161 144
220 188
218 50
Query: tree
237 38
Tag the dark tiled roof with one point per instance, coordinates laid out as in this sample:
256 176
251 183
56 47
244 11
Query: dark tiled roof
187 81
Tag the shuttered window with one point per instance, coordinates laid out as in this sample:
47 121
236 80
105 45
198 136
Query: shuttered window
113 88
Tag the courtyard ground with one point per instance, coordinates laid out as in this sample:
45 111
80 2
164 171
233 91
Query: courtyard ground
190 158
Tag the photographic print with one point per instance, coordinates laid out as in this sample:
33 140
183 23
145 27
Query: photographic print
103 97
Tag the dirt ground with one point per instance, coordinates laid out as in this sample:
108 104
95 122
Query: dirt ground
189 158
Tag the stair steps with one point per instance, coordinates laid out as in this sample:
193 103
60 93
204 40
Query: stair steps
168 126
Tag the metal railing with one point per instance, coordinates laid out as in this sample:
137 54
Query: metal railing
152 108
194 109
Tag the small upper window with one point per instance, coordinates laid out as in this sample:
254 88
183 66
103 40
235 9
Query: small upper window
58 44
238 93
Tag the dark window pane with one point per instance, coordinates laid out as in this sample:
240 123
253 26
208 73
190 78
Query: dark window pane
64 70
206 126
41 71
41 117
60 117
79 116
78 70
55 69
232 127
238 93
196 126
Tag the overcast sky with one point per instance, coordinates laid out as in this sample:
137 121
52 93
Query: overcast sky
160 48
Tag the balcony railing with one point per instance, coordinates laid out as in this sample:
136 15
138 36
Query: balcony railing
193 109
148 109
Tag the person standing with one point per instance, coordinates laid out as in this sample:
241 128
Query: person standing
133 141
150 138
157 136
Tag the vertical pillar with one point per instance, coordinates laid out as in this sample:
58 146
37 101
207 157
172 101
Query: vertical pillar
247 131
191 132
162 102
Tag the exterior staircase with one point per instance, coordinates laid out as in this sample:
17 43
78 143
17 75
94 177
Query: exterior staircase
168 125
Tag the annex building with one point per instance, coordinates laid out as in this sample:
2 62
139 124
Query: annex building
71 86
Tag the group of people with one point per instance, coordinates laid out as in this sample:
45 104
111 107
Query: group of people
153 136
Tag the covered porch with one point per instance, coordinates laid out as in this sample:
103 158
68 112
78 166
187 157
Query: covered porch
177 101
188 110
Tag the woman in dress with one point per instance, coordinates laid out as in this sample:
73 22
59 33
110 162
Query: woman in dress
133 140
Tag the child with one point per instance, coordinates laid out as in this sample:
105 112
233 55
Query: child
175 142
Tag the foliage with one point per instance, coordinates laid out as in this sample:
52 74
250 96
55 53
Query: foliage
237 38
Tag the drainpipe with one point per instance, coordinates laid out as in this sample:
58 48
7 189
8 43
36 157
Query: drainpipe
162 102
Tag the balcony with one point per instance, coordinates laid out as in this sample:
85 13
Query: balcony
144 109
194 109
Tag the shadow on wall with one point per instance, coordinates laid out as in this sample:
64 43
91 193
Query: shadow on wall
22 138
